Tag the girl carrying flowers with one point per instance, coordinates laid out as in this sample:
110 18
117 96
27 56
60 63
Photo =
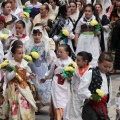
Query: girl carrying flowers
73 108
97 80
85 39
19 102
40 43
60 86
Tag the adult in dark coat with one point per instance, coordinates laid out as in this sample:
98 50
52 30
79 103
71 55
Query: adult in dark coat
115 41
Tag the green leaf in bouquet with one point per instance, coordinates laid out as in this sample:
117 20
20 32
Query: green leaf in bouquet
97 28
27 10
34 50
96 97
10 68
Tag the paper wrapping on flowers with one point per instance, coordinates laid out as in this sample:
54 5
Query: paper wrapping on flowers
7 67
4 36
63 35
96 26
68 72
98 95
32 57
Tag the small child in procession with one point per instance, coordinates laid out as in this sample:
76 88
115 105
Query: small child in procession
97 83
60 86
39 43
73 108
20 32
19 102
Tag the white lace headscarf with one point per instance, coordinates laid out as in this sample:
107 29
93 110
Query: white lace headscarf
24 32
29 45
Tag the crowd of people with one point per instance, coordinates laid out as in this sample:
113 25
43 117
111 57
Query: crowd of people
55 35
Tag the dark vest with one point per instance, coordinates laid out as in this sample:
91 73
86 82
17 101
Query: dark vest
97 80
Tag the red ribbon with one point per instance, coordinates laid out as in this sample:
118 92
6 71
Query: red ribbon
101 104
60 79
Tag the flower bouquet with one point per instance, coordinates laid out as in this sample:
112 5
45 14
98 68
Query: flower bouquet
96 26
32 57
68 72
25 9
25 15
4 36
96 97
7 67
63 35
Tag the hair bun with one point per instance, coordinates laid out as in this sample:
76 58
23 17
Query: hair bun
90 57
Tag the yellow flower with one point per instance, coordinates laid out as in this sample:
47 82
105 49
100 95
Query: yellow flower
4 36
6 61
69 68
28 58
74 64
26 14
4 64
100 92
23 6
35 55
93 23
65 32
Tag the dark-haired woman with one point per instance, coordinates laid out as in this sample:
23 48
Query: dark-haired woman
9 18
73 108
62 22
104 22
43 16
84 35
74 11
55 8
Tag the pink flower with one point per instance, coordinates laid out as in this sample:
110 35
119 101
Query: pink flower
17 91
14 108
24 103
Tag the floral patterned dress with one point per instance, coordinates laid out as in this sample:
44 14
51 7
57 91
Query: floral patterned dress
19 103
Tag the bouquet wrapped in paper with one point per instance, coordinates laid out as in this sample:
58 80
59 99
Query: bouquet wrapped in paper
7 67
63 35
68 72
96 97
33 56
96 26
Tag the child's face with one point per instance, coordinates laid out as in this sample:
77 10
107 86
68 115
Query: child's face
88 12
80 62
105 66
62 53
37 37
19 28
18 55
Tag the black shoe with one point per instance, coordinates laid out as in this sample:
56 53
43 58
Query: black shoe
37 113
